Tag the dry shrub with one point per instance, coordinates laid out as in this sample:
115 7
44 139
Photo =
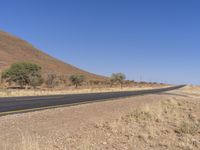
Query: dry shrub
188 128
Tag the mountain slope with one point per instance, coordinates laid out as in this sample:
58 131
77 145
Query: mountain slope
13 49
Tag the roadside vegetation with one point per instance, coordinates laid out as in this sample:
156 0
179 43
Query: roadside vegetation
25 75
117 78
77 80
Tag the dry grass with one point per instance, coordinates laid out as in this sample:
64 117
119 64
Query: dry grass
193 91
188 128
12 92
151 122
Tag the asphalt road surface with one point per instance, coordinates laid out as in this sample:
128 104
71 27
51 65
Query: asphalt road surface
33 103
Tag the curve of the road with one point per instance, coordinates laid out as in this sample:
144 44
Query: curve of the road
33 103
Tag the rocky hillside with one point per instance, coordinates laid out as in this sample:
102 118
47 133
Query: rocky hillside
14 49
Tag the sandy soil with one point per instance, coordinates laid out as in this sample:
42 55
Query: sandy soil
153 122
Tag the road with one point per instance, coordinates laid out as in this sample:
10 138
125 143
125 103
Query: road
33 103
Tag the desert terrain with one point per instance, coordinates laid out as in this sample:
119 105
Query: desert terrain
169 120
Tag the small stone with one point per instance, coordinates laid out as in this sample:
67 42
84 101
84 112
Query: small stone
104 143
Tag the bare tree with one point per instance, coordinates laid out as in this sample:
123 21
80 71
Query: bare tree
51 80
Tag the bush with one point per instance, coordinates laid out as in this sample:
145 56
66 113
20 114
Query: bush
23 74
188 128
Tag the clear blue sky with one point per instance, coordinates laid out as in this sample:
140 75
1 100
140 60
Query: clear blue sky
152 40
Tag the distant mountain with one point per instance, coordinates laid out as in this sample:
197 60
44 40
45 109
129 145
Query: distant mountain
14 49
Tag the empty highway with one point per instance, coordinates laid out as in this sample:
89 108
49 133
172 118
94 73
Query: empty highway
12 105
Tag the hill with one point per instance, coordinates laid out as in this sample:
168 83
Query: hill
14 49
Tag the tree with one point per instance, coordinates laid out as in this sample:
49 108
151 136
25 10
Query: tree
77 80
51 80
62 79
23 74
35 81
117 78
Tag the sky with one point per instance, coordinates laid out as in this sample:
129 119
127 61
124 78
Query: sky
149 40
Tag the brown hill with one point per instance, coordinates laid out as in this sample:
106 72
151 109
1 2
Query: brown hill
13 49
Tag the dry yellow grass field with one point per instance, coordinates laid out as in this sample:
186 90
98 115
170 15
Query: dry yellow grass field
17 92
168 121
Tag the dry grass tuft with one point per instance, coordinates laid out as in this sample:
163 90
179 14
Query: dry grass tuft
188 128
